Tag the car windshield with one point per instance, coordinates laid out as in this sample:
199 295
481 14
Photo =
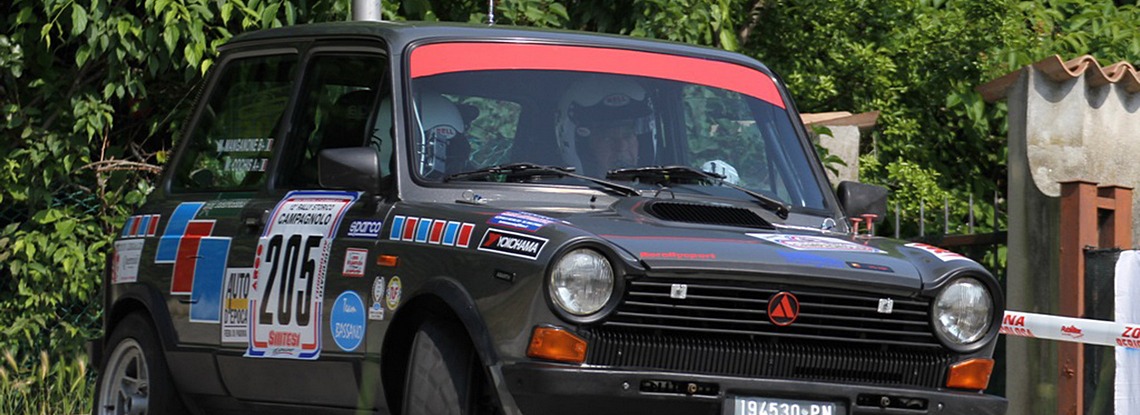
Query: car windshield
600 112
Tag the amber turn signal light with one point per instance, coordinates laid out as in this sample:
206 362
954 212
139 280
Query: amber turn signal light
970 374
552 343
387 260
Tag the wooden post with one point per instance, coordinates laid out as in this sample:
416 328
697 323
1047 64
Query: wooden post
1091 217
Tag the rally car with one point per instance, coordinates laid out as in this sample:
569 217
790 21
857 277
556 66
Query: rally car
367 217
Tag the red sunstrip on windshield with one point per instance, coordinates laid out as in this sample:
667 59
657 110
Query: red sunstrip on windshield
441 58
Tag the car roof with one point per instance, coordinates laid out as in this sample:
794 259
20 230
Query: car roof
402 34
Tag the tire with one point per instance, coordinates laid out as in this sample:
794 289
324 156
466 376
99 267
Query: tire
440 377
134 378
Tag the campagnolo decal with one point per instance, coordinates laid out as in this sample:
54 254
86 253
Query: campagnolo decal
354 261
433 231
199 260
365 229
815 243
395 291
289 274
347 321
235 305
512 243
376 311
526 221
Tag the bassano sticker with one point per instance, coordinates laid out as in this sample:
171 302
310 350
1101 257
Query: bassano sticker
512 243
347 321
815 243
235 305
289 274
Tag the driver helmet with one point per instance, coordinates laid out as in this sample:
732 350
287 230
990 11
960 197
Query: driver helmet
442 146
597 102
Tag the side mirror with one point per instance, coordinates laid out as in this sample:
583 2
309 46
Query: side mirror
858 198
352 168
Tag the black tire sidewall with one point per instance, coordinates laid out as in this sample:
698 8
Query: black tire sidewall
440 343
162 395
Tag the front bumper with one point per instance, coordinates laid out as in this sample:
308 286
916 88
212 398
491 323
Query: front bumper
552 389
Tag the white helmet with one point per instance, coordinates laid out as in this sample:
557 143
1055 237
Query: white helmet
441 140
598 101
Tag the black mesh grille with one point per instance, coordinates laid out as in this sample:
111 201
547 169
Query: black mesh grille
741 308
707 214
722 327
763 358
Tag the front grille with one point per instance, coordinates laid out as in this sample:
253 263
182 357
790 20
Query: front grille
722 327
761 358
707 214
740 308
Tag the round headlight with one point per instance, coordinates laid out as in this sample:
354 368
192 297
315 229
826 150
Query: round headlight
963 312
582 282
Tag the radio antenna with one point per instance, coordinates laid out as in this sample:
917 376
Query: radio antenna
490 12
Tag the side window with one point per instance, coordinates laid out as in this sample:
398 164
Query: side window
344 103
231 144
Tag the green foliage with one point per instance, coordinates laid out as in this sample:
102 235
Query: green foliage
45 386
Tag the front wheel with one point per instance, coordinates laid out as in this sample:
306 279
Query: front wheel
442 368
134 379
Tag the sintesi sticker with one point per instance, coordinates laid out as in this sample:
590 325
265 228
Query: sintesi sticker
815 243
289 274
942 254
235 305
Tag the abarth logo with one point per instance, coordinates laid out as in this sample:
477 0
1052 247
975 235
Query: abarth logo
783 308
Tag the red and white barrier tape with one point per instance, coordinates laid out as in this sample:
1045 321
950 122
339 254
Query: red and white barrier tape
1079 330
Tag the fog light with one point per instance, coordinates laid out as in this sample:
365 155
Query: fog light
552 343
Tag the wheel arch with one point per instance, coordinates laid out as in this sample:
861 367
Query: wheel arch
135 298
440 298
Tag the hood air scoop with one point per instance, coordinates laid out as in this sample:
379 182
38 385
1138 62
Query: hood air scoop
707 214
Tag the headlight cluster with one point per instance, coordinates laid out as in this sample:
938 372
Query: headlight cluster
962 312
582 282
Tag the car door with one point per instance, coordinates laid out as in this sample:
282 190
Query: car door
309 291
218 175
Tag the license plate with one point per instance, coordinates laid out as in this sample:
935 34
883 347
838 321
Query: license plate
744 405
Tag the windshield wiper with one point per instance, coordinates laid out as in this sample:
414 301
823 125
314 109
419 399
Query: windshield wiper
506 171
666 174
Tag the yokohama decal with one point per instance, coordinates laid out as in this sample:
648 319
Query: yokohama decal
289 274
511 243
440 58
783 308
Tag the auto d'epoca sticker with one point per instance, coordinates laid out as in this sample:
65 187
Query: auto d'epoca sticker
289 274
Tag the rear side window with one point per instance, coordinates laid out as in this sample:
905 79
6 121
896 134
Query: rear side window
232 142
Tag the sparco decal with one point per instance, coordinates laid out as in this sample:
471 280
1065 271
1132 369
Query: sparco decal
291 261
511 243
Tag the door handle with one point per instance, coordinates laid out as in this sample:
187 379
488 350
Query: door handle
254 221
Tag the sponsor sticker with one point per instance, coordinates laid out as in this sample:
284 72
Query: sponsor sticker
526 221
354 261
235 305
676 255
392 296
376 311
512 243
811 260
871 267
289 274
222 208
347 321
433 231
365 228
942 254
815 243
1072 331
125 262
